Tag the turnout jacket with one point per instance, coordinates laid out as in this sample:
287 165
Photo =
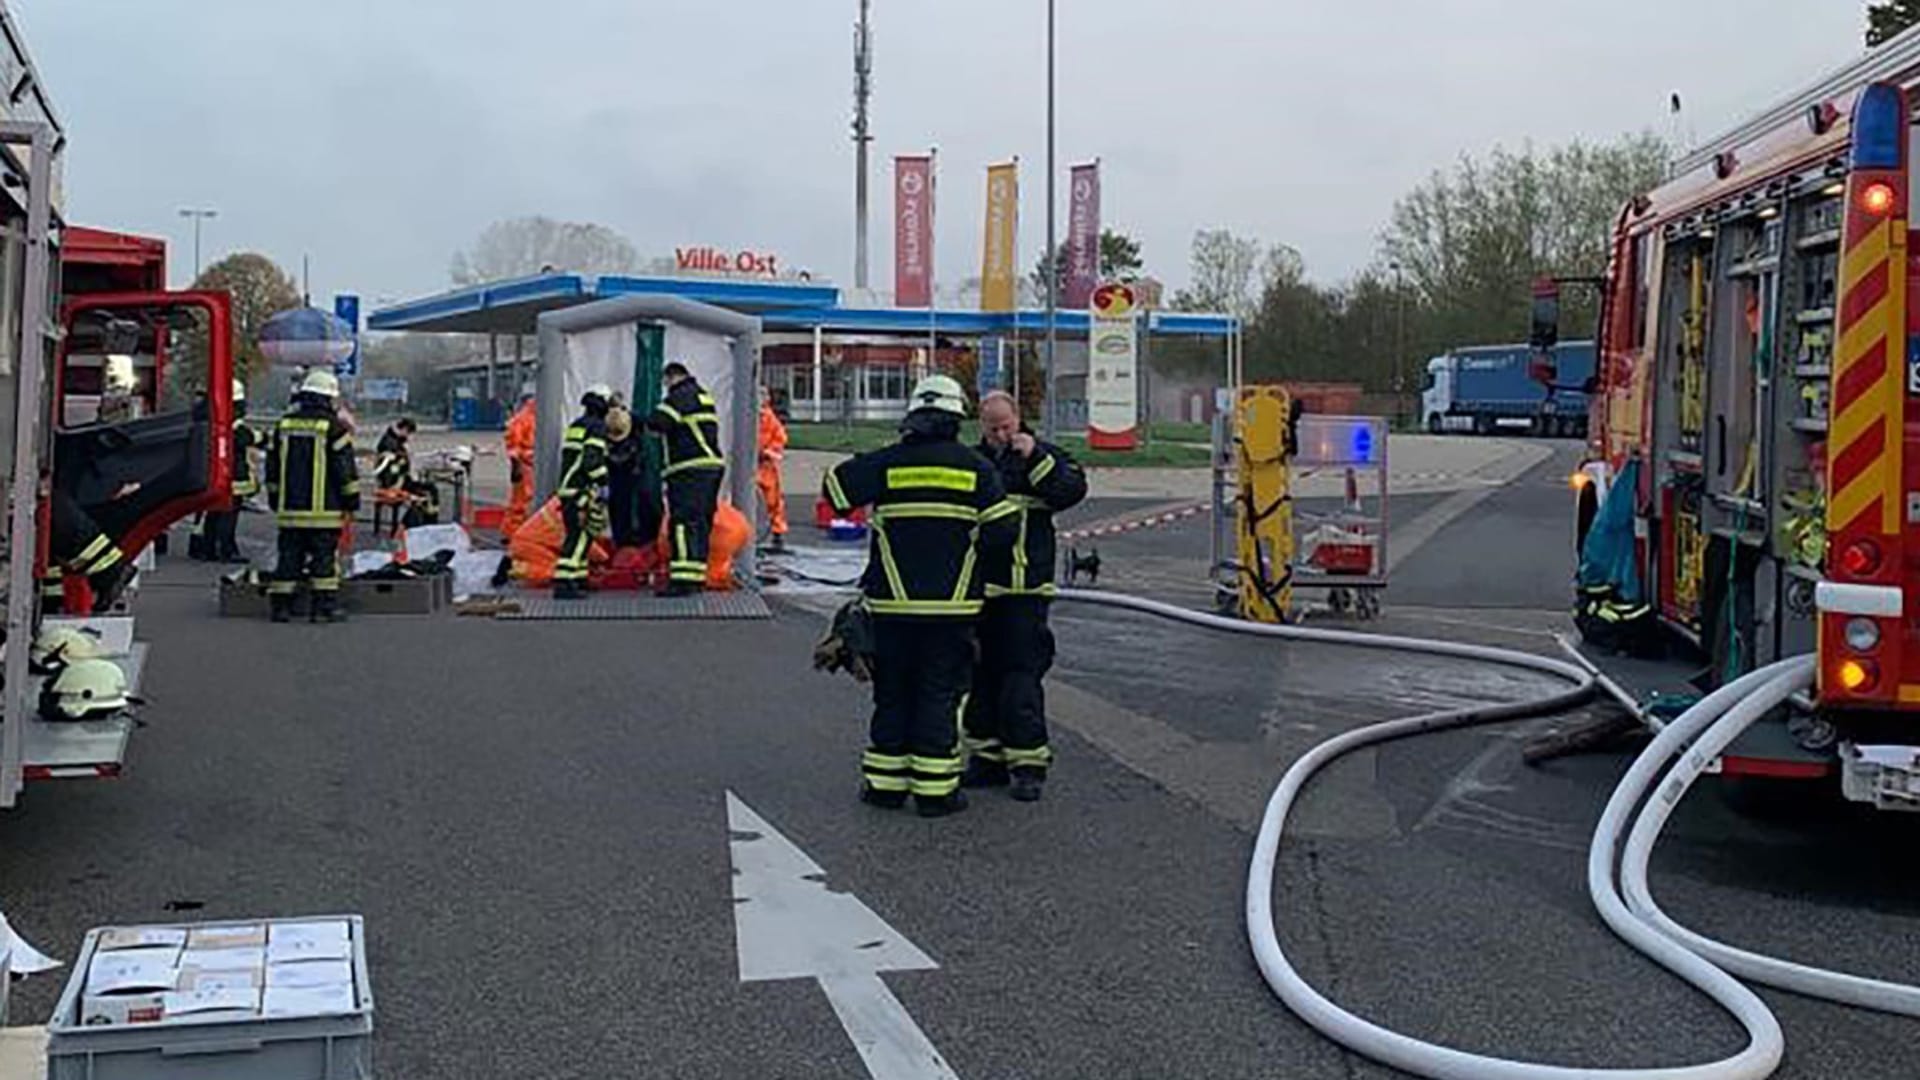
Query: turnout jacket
246 439
1039 486
938 510
583 460
311 476
691 427
393 463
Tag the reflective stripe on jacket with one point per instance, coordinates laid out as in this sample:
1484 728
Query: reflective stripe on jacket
1040 485
938 510
583 459
312 479
690 427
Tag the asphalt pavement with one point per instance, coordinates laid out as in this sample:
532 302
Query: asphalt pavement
532 818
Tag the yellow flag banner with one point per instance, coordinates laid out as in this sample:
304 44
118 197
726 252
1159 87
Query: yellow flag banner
998 276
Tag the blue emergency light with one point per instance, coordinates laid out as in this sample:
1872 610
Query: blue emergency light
1879 127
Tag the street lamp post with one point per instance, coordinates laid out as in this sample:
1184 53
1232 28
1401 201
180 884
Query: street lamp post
198 216
1051 262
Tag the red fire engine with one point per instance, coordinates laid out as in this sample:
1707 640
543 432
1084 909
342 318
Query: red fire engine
1756 447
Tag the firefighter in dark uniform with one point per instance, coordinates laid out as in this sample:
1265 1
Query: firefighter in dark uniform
314 486
583 471
219 537
939 513
692 470
1006 716
76 545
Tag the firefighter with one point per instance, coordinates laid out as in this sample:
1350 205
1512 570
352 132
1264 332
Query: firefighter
219 541
314 488
633 503
393 471
520 447
938 510
773 450
1006 716
692 470
583 470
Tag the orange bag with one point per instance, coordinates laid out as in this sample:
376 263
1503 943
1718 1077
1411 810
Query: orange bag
535 547
730 533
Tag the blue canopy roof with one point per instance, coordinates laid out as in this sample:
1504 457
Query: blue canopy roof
511 307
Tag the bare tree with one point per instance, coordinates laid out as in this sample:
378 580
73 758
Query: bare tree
519 247
1225 272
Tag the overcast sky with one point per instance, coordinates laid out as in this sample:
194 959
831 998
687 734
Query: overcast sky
379 136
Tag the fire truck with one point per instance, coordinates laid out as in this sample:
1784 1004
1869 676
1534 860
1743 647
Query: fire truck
1753 478
70 298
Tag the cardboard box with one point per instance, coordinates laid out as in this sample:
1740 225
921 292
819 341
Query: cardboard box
308 974
292 942
201 938
214 1003
194 979
242 959
142 937
281 1002
129 986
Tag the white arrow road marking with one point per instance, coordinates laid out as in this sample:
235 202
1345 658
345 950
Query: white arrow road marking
788 925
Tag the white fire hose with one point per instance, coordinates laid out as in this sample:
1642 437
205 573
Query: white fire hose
1714 722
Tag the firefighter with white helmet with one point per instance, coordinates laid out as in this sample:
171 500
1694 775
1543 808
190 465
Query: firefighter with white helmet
939 509
583 471
314 487
691 470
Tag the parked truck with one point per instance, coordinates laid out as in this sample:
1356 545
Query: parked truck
1491 388
1753 487
70 298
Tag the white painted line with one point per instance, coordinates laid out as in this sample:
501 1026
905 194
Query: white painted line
789 925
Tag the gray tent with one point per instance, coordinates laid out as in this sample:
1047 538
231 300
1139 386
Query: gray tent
600 342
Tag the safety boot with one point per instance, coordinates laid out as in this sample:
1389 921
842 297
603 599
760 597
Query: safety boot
982 773
108 584
1028 785
938 806
677 589
280 607
327 609
885 800
569 590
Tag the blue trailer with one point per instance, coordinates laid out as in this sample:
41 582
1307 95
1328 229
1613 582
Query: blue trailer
1493 387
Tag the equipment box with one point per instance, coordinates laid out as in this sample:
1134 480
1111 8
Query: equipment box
400 596
333 1041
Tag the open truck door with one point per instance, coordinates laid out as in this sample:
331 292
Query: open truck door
142 412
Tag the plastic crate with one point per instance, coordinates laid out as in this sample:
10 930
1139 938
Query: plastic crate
316 1048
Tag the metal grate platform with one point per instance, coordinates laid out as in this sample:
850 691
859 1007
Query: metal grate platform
718 605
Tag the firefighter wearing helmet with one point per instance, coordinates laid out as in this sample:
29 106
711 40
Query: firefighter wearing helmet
939 510
583 471
314 488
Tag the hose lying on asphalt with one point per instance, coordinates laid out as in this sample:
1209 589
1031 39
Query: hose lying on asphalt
1721 715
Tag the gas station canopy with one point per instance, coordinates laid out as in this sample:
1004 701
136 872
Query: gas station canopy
512 307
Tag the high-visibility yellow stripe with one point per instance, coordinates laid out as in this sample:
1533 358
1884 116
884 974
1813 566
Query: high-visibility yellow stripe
995 592
925 607
1020 554
895 511
1042 470
895 762
932 476
836 494
693 463
964 583
1001 509
1029 502
892 568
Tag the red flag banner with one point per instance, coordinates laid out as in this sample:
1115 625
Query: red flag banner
913 231
1083 236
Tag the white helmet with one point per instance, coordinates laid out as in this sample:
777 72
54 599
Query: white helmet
939 392
463 456
321 383
58 646
600 390
119 376
88 688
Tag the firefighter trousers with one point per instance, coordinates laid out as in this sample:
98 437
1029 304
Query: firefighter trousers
307 556
1006 717
692 498
572 564
921 667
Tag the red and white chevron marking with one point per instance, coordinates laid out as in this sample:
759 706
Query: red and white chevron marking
1113 528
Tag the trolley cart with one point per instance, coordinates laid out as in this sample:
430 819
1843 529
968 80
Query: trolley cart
1345 550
